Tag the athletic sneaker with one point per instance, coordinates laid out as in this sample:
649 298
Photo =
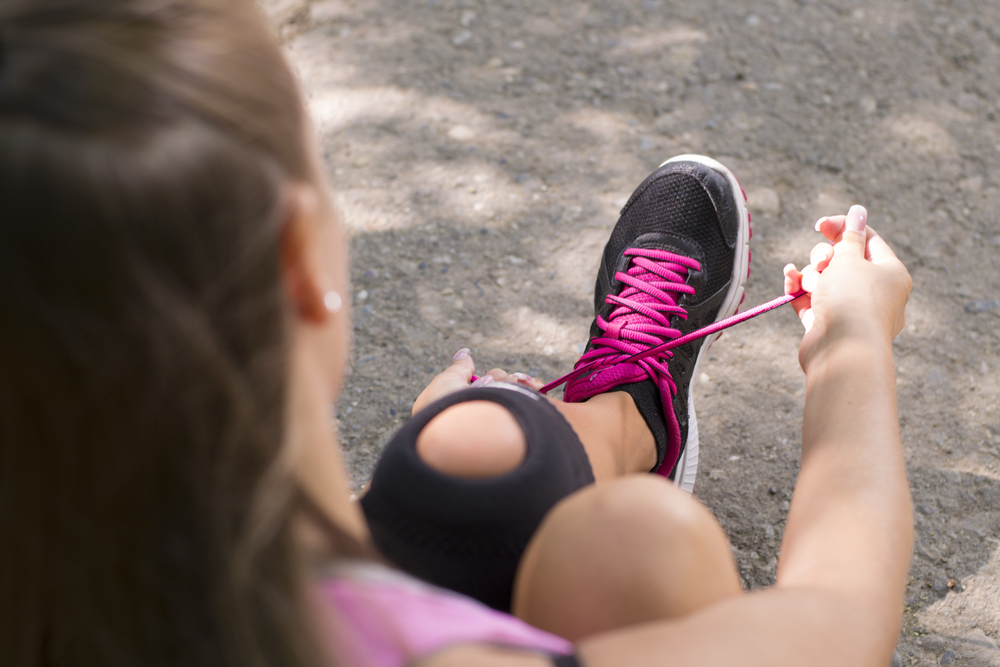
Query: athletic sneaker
676 262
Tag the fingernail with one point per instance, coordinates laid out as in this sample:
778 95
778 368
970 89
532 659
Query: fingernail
523 377
857 217
788 269
483 381
821 221
461 354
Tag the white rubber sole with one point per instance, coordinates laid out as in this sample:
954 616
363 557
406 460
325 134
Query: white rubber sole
687 466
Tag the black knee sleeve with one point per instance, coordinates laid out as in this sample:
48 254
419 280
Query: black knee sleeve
468 535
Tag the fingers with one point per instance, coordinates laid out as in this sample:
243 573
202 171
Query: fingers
803 304
876 249
821 255
500 375
484 381
853 238
803 308
793 279
831 226
454 378
810 277
528 381
462 365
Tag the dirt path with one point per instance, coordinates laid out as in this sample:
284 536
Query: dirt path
481 150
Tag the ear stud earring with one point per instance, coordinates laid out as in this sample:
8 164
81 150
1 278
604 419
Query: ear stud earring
332 301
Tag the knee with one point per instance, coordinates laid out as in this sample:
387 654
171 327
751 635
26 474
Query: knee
650 507
646 550
473 440
643 518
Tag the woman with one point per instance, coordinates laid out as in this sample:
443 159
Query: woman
172 338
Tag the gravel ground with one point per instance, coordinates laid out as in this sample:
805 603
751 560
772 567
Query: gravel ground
481 151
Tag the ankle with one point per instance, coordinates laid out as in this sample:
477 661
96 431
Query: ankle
634 447
641 446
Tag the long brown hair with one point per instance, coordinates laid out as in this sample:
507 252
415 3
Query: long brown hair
144 510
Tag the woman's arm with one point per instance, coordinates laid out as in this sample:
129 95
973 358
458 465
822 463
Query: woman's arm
846 548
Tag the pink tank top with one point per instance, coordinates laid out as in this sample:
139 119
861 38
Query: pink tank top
379 617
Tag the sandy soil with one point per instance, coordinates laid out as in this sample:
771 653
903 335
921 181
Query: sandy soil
481 150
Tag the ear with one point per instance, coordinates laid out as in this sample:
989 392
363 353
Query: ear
304 280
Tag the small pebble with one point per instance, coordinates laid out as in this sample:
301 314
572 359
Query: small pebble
764 200
371 274
772 491
981 306
948 657
897 660
932 642
461 132
940 585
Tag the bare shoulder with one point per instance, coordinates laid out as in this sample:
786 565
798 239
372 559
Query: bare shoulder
473 655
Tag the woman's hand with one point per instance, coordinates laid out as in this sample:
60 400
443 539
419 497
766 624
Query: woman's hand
856 287
459 376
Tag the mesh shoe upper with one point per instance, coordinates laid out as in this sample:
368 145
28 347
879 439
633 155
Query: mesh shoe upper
665 272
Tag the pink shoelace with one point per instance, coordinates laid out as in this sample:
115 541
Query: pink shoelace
636 338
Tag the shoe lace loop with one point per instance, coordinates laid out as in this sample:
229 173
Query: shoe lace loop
653 283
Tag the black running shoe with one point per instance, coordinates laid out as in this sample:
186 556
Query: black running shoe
676 261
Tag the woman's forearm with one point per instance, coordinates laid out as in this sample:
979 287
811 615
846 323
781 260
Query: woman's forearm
850 525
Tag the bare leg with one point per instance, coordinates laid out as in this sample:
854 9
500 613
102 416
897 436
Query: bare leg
615 435
622 553
480 439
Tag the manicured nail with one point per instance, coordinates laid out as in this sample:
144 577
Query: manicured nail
821 221
857 218
483 381
523 377
461 354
